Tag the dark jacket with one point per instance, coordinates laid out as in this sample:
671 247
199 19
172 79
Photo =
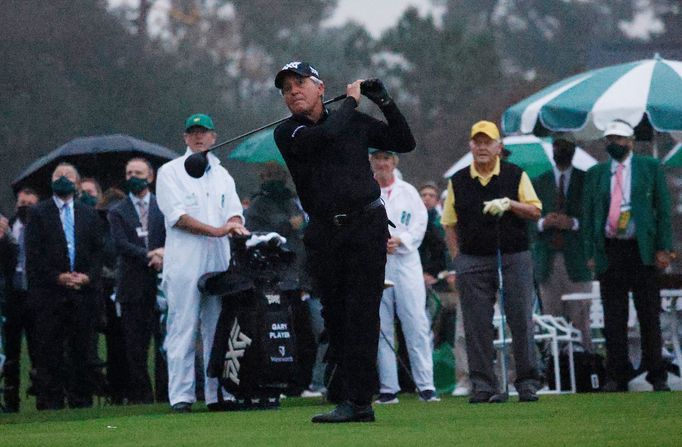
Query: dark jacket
433 251
46 253
271 210
574 251
8 262
131 268
328 160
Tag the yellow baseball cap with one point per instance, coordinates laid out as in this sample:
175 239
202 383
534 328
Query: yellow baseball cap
487 128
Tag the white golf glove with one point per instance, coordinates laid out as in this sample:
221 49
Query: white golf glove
497 207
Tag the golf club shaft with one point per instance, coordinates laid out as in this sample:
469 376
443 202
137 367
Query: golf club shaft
274 123
400 360
503 316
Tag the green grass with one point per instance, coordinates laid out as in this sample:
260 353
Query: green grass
584 420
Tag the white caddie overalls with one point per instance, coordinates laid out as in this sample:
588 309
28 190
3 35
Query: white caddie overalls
211 199
407 298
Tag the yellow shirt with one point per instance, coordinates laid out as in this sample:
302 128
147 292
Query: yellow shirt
527 194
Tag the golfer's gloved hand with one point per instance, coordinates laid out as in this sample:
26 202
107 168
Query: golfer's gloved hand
497 207
374 90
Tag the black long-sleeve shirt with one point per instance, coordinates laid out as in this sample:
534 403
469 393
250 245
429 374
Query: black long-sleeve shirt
328 160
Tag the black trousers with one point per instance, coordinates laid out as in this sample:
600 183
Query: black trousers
136 324
63 336
117 364
347 266
18 322
139 323
626 273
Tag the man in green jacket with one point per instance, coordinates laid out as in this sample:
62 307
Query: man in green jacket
628 236
560 262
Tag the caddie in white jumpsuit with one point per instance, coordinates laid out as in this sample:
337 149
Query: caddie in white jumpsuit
407 297
199 214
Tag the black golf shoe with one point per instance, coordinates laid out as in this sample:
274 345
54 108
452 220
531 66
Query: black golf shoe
498 398
182 407
488 397
611 386
480 397
661 385
528 394
346 412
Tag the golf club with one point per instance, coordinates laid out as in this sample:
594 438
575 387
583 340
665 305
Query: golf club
195 164
400 360
503 316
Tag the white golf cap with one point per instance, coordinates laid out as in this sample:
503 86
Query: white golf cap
619 128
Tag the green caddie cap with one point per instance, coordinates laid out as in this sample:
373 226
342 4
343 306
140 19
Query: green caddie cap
199 119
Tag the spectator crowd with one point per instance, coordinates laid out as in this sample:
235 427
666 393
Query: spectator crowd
119 262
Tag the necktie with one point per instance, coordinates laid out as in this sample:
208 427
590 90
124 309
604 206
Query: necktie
144 219
144 213
70 237
21 259
20 272
557 241
561 195
616 201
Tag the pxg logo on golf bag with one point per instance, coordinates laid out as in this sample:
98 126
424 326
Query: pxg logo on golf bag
236 346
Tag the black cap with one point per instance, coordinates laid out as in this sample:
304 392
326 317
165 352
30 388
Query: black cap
300 68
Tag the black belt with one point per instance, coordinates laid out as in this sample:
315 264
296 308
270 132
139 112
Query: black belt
617 241
342 219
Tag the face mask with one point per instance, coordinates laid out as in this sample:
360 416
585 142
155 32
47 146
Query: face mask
22 213
616 151
63 187
136 185
87 199
563 159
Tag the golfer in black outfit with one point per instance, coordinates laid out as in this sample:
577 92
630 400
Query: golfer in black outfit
327 155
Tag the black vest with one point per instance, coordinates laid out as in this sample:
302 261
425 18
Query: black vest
477 233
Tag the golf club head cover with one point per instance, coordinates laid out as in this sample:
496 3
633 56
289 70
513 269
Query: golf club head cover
497 207
374 89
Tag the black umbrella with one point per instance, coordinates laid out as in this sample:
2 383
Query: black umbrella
103 157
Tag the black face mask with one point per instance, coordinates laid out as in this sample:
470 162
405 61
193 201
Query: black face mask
617 151
563 158
87 199
22 213
63 187
136 185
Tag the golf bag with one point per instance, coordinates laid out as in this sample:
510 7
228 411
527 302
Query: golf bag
253 354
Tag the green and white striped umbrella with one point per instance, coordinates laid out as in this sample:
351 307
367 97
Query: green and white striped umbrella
674 158
259 148
584 104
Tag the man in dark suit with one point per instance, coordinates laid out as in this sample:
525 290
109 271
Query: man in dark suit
18 315
560 263
139 235
628 237
63 250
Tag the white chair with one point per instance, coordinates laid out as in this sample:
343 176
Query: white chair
548 328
